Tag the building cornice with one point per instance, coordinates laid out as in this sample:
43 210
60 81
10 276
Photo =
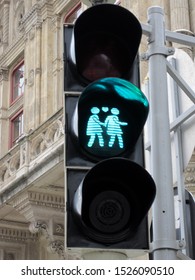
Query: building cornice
60 6
29 204
16 232
13 51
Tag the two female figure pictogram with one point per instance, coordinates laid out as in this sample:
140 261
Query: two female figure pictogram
112 125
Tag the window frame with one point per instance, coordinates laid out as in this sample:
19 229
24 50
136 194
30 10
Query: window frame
13 141
17 67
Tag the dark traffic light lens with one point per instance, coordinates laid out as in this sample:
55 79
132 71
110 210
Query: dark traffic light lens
102 56
109 212
106 41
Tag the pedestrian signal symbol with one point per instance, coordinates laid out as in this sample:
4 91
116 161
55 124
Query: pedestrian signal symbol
111 116
108 132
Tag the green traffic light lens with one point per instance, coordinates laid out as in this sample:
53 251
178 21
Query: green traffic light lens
111 116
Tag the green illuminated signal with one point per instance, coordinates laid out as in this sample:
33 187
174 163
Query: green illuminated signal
111 116
94 128
112 126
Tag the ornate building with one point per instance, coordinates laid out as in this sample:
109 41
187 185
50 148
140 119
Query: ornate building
31 119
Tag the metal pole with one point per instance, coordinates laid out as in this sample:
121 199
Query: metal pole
179 162
164 235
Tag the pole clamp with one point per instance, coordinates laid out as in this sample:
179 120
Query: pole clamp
167 244
157 50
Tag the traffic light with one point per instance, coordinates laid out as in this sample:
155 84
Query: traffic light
108 192
190 221
190 213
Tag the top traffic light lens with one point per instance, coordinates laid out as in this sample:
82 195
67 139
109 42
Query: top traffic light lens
105 57
105 42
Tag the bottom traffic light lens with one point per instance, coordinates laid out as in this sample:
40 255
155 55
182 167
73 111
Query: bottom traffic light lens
109 212
108 206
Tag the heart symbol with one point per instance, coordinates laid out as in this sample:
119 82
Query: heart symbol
105 109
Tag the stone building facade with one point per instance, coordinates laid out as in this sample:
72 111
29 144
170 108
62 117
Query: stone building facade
31 119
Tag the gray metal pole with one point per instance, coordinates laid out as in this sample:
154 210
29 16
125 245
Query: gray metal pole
164 235
179 162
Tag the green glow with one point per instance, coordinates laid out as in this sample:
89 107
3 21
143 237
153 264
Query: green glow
111 116
112 126
128 90
119 87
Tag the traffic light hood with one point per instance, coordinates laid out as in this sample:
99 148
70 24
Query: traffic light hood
106 37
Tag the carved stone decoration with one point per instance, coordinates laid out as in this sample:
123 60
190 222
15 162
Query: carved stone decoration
29 204
9 256
59 229
4 74
1 31
31 77
47 138
189 175
5 24
190 178
15 234
32 34
10 167
3 174
19 11
56 247
55 22
38 226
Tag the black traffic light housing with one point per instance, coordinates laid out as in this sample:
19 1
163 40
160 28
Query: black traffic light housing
107 205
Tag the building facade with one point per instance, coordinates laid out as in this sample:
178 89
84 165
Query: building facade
31 118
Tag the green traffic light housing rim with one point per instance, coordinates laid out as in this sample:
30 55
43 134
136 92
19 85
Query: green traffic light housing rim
111 116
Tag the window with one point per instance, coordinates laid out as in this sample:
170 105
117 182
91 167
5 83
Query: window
16 127
15 112
18 82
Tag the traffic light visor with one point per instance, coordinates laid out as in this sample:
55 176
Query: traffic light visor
106 41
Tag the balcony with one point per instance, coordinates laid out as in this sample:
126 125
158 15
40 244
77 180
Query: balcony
32 189
26 160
